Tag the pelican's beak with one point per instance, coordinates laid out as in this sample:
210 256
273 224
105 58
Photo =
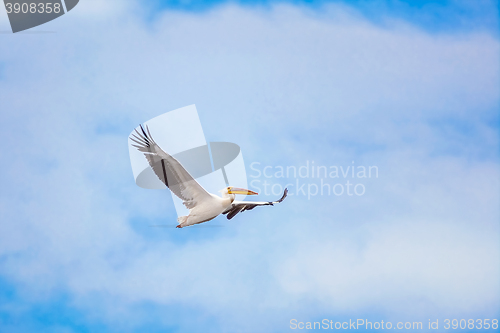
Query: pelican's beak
237 190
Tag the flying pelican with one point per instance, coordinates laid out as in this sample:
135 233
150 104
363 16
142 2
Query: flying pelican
203 206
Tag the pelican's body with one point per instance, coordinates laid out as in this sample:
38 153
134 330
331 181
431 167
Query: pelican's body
206 210
203 206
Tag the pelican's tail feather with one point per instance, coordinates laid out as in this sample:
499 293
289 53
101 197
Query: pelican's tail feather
182 220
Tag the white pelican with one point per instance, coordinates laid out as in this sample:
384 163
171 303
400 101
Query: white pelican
203 206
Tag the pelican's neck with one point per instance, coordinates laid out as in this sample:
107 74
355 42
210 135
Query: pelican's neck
228 197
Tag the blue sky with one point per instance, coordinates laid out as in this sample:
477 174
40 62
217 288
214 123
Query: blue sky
410 87
434 15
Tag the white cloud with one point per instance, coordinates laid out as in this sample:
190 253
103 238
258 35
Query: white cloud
421 242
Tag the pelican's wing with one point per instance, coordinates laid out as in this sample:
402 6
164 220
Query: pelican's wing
169 170
241 206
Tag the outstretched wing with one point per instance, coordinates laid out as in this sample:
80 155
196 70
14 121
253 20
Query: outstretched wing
241 206
169 170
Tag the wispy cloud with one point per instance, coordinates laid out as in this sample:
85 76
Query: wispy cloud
288 85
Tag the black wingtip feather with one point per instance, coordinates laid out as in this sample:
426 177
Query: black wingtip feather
147 128
143 136
143 131
285 193
137 141
140 138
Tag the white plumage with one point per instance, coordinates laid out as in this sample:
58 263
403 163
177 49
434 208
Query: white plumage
203 206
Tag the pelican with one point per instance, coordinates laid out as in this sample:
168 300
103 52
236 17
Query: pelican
203 206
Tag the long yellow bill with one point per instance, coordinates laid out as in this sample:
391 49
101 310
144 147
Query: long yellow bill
237 190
